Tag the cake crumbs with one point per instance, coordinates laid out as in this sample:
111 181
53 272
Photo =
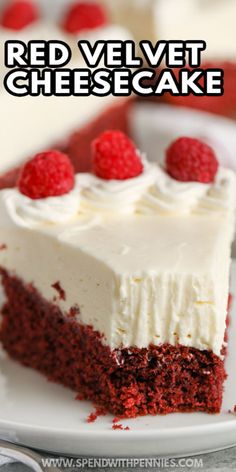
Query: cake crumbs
233 411
116 420
74 311
120 426
92 417
61 292
79 397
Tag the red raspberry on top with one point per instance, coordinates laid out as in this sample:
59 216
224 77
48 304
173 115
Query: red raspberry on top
84 16
48 174
115 157
19 14
191 160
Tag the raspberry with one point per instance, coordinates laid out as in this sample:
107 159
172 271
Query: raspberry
19 14
84 16
190 160
48 174
115 157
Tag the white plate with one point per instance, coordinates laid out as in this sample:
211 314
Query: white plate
43 415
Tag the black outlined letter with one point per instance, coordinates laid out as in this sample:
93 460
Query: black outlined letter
166 83
11 85
91 54
37 54
195 48
188 78
121 82
175 55
214 82
15 54
153 54
59 54
82 82
102 85
138 78
130 58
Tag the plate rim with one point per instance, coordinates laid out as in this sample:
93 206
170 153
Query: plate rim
180 431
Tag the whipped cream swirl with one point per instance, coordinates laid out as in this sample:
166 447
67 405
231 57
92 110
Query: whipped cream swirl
169 196
53 210
221 196
92 199
116 196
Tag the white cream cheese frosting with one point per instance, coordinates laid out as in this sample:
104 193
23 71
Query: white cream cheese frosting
139 277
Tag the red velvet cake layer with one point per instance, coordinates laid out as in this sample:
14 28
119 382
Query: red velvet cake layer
127 382
9 179
78 145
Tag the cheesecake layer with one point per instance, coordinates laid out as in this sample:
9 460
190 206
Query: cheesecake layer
158 267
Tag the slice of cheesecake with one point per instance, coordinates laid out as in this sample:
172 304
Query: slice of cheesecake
191 20
195 20
117 286
66 122
202 20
